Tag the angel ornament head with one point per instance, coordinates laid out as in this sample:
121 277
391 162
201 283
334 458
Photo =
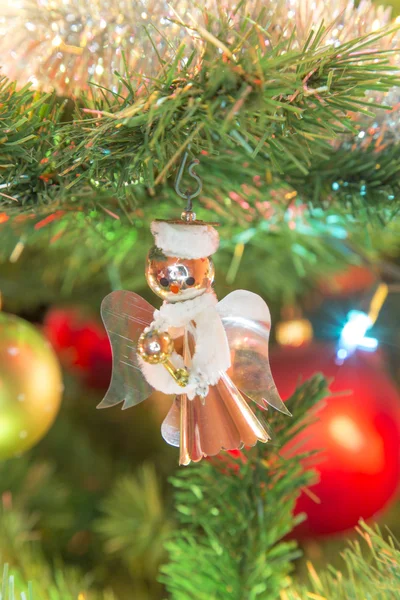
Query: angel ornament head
211 356
175 271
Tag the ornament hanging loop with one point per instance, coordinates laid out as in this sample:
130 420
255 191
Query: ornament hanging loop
188 214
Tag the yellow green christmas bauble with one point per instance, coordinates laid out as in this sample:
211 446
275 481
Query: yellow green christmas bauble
30 385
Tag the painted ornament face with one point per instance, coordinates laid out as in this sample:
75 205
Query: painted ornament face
176 279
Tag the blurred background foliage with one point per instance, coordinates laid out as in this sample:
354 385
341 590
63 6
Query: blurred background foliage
90 512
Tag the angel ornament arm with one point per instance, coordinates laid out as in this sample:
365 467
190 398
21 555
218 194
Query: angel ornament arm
213 356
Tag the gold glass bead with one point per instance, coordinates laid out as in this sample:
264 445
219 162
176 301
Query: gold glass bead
155 347
188 216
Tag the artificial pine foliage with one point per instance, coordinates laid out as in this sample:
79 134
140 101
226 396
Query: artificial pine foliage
231 517
301 188
370 569
263 127
235 514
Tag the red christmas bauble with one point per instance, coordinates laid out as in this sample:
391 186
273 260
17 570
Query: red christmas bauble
358 431
81 343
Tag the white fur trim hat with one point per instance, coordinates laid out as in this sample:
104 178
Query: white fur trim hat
185 241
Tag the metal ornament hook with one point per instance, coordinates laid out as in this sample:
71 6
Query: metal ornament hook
188 195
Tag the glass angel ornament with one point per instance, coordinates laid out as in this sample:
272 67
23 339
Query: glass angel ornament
213 356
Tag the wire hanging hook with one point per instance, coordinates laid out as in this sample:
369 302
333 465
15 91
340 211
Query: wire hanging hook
188 195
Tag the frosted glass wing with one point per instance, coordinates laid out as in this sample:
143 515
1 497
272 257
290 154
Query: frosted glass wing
250 371
125 315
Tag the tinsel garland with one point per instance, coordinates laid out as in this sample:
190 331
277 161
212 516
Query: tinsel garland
66 46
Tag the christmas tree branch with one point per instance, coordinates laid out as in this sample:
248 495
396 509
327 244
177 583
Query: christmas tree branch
262 119
134 525
372 568
235 514
280 104
43 518
363 178
234 517
63 584
33 577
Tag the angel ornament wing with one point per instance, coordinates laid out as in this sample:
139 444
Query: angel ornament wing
212 356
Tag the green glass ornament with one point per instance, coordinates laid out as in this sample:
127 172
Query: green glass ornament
30 385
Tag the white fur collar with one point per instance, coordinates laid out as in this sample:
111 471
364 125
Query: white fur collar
179 314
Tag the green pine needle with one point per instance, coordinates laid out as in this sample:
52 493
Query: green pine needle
371 570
